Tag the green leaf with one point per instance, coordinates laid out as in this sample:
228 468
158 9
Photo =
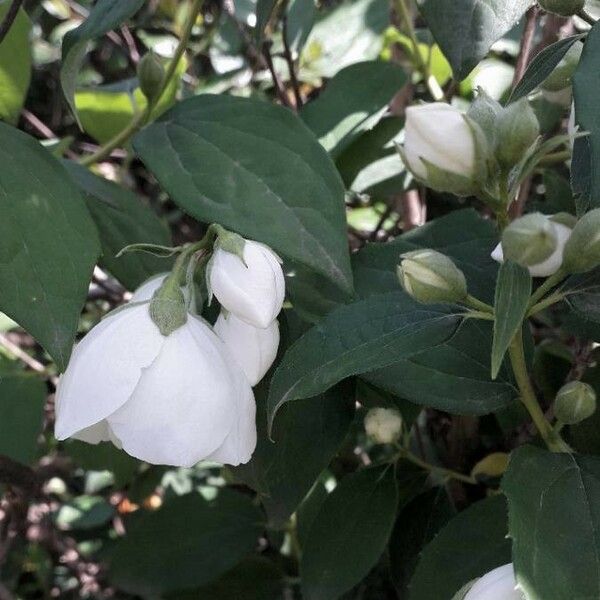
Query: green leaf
84 512
253 167
48 244
416 525
301 16
22 400
513 291
355 339
15 66
586 90
542 65
343 111
362 22
305 438
264 10
104 16
553 501
466 29
470 545
122 219
188 542
349 534
453 377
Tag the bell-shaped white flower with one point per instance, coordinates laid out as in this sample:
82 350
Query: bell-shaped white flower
254 291
439 133
147 289
172 400
253 348
499 584
553 262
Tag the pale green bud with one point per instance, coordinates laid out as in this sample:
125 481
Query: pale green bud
564 8
431 277
150 73
383 425
529 240
582 251
575 402
517 128
167 307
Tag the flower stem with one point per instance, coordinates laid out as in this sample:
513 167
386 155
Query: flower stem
542 304
478 305
552 438
144 116
551 282
447 473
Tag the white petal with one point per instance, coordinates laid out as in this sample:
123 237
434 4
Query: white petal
147 289
105 368
253 348
240 443
499 584
253 292
498 254
185 403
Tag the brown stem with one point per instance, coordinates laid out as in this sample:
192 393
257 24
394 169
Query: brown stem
526 45
290 63
9 18
516 209
279 87
414 210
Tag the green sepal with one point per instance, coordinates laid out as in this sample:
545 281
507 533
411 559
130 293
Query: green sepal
484 111
168 306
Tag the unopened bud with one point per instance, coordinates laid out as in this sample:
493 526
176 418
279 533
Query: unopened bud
564 8
517 128
383 425
431 277
575 402
484 111
150 73
529 240
582 251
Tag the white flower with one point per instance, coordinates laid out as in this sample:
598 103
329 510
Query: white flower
384 425
254 291
499 584
440 134
147 289
253 348
171 400
553 262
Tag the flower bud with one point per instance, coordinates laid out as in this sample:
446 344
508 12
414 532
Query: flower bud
150 73
499 584
431 277
248 281
564 8
442 147
582 251
561 77
520 253
383 425
529 240
517 128
575 402
484 111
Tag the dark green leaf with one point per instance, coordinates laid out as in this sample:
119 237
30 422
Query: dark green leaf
122 219
15 66
554 520
264 10
343 111
542 65
104 16
186 543
256 168
305 438
301 16
513 291
583 295
22 400
48 244
586 90
470 545
416 525
466 29
349 534
355 339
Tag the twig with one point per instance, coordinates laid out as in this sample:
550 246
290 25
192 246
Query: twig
526 45
290 63
133 51
31 362
9 18
516 209
279 87
384 217
414 211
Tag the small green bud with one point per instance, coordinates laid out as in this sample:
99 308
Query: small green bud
582 250
564 8
168 307
517 128
150 73
430 277
529 240
484 111
575 402
560 78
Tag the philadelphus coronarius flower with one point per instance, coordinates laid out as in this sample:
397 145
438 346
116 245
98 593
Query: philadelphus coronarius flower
499 584
384 425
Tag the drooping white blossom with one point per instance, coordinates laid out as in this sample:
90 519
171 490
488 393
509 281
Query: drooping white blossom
499 584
